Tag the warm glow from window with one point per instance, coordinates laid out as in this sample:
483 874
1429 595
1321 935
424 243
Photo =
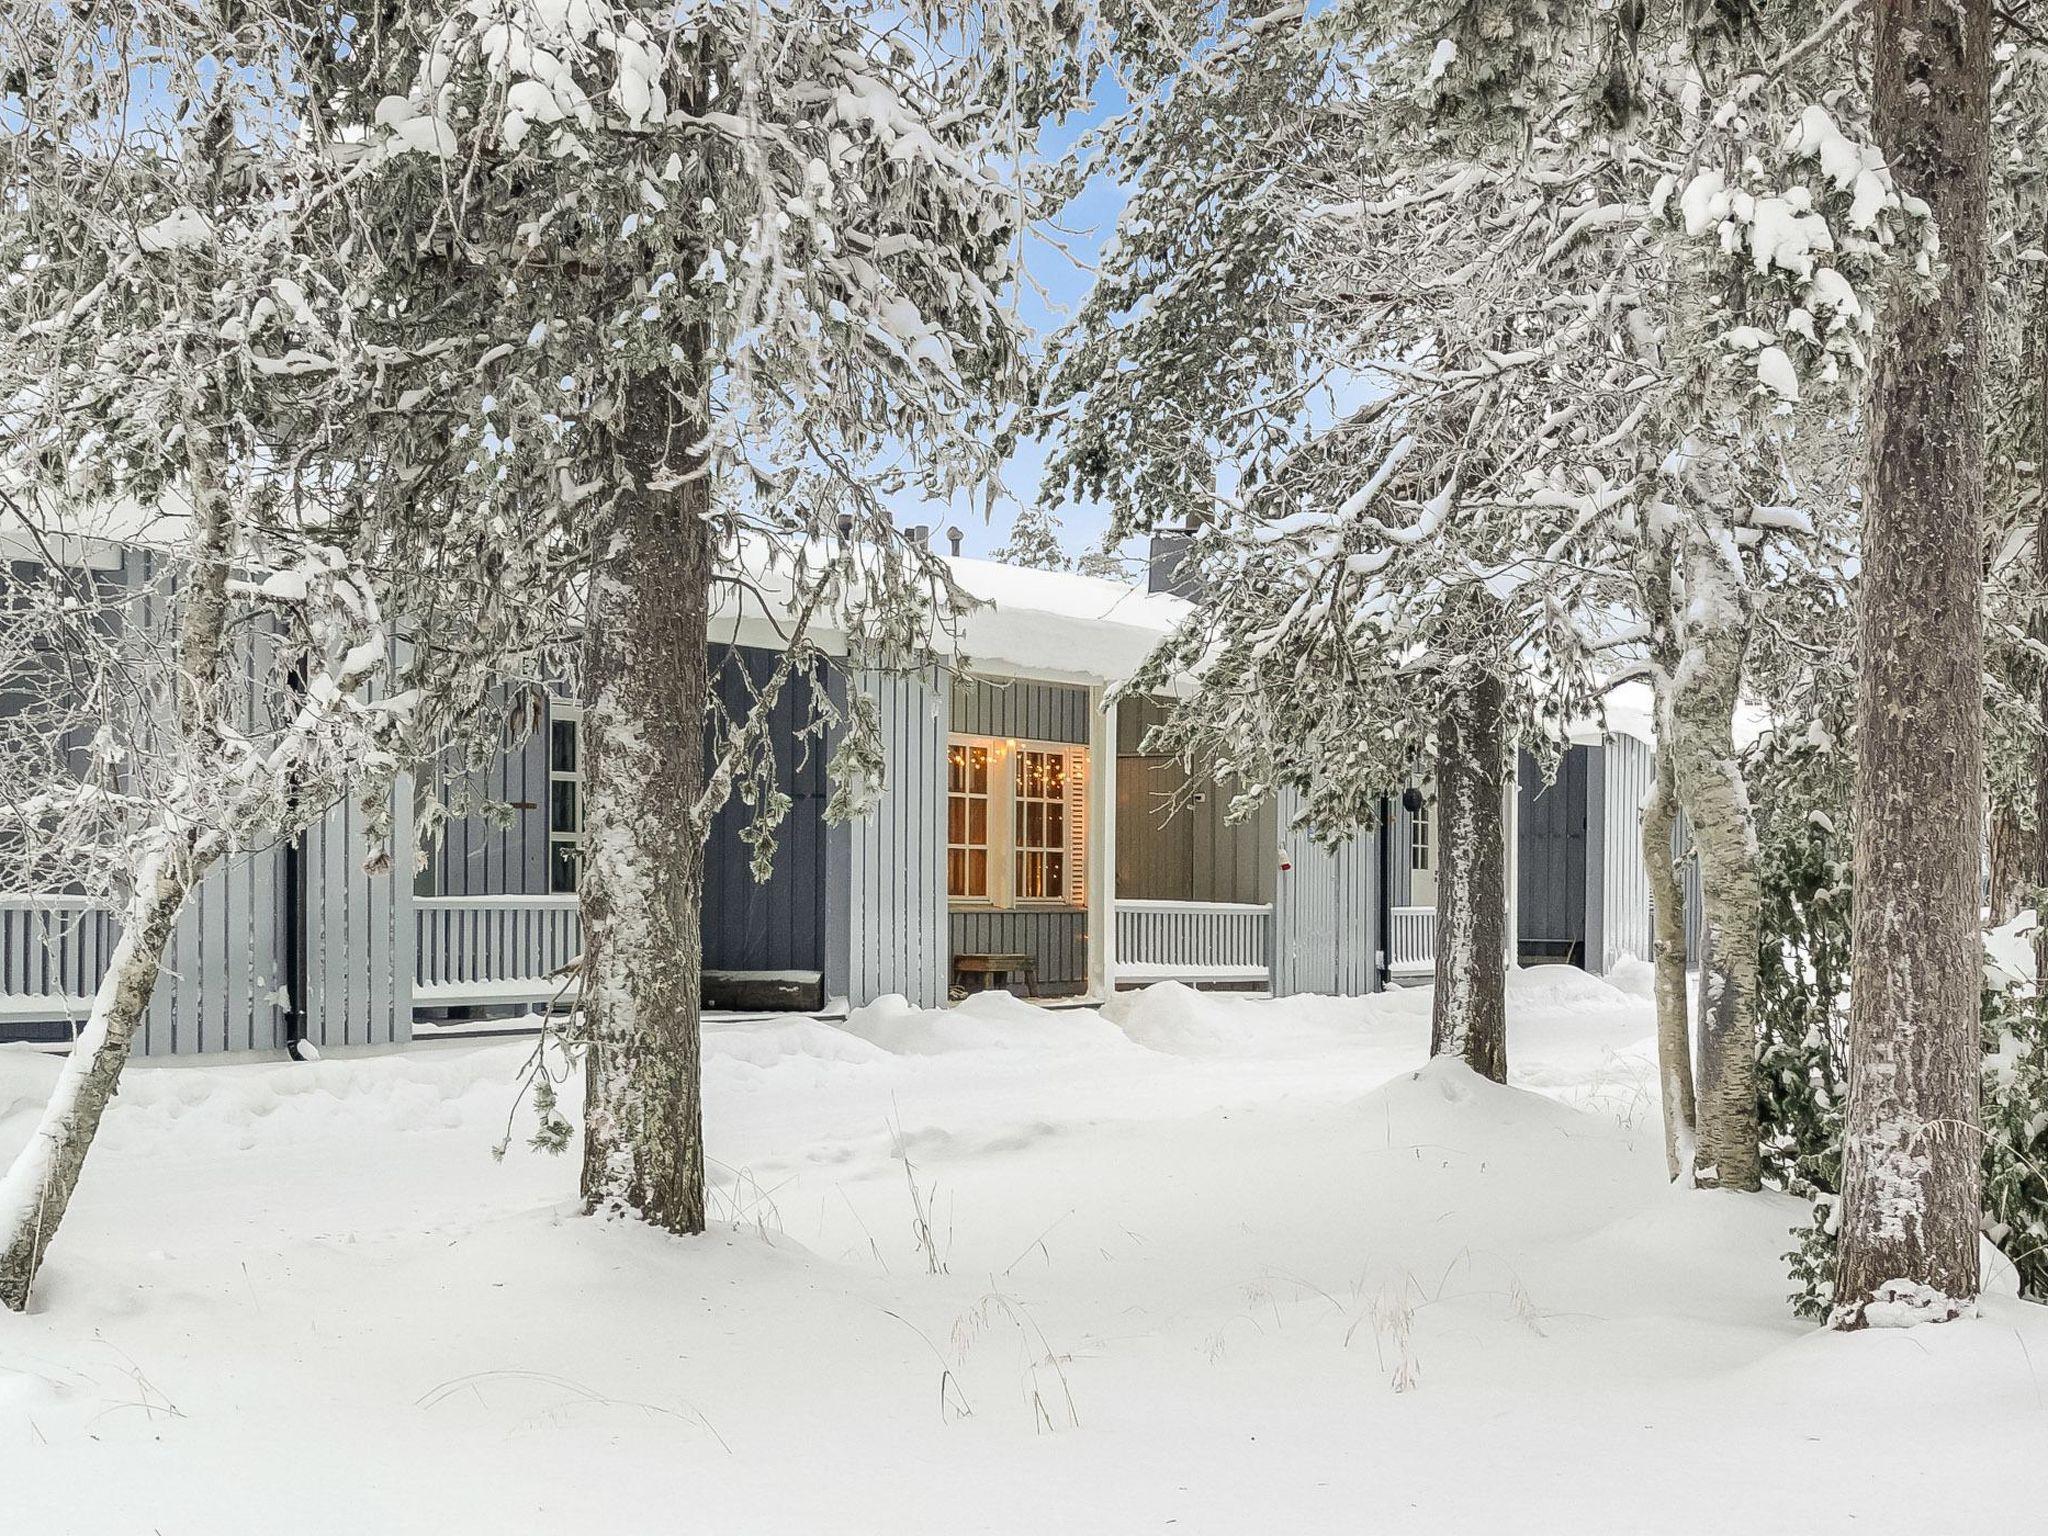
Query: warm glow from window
967 819
1015 822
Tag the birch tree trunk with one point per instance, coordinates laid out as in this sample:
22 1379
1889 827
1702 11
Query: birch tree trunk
1468 1013
1700 742
1667 913
37 1189
642 885
1911 1202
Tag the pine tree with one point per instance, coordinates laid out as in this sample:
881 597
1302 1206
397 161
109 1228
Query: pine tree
1910 1199
706 287
1035 540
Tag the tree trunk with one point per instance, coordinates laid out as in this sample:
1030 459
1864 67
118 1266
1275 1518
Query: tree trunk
643 877
38 1187
1911 1202
2012 858
1667 911
2037 849
1468 1013
1700 741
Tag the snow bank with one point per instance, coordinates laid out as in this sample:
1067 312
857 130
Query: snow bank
1205 1261
984 1021
1637 978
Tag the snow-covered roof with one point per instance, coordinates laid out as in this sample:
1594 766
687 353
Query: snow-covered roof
1052 625
1058 624
1630 709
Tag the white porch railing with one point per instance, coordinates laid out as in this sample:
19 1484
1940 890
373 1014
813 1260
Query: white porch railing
1411 939
477 950
1193 941
53 952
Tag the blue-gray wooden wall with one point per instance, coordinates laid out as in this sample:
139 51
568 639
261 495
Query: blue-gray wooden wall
777 924
1325 912
1551 889
886 929
748 925
1056 939
226 974
359 928
1401 879
478 855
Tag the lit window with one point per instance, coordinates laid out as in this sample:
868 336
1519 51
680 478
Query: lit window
1016 822
565 797
1041 825
967 797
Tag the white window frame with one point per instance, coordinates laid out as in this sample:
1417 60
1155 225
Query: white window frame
1419 841
569 714
1005 755
995 798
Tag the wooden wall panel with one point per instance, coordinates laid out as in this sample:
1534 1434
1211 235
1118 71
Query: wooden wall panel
1020 709
1325 912
897 939
1550 864
1057 940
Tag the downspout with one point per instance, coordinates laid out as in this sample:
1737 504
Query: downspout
1385 894
296 1044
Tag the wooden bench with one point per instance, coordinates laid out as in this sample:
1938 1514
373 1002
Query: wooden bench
996 971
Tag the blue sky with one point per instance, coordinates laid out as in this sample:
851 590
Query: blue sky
1061 277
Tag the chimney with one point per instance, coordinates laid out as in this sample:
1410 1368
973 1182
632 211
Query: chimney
953 537
1171 567
846 527
919 534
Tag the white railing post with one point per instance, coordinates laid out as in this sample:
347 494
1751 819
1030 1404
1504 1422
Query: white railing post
491 949
1193 940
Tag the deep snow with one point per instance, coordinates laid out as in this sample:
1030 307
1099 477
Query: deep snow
1211 1265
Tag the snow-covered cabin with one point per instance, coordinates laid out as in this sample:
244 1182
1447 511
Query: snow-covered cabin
1024 838
992 858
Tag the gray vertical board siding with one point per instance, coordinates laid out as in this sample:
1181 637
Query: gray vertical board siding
1055 938
1403 881
779 924
475 856
360 958
1325 912
219 988
896 932
1550 854
1019 708
1194 852
1629 770
1155 851
836 943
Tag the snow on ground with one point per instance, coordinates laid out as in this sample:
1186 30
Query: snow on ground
1211 1264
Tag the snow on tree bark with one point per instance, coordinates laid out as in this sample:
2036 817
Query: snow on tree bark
1468 1011
1911 1158
2034 875
37 1189
1699 738
643 875
1667 915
